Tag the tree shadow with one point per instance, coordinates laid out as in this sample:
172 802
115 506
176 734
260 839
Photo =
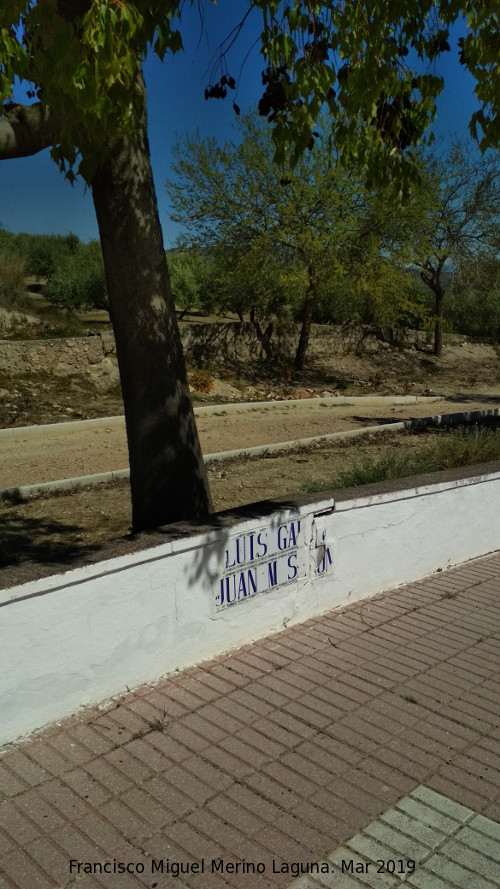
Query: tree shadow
207 563
377 421
40 542
474 398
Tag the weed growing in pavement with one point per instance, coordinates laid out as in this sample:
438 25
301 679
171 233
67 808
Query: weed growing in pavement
409 699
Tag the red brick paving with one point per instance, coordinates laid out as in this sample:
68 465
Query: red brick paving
283 749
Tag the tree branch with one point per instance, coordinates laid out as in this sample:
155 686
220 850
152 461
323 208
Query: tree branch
73 9
26 130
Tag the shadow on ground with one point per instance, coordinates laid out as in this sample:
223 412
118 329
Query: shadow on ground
377 421
39 540
32 548
475 397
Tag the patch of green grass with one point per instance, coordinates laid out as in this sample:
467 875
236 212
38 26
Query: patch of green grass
56 323
462 447
467 445
391 465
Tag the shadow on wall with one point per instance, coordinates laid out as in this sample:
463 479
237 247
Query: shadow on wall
241 562
236 342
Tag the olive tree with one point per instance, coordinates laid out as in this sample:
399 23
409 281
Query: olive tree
234 197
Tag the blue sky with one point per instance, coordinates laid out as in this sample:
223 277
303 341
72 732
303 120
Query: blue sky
35 197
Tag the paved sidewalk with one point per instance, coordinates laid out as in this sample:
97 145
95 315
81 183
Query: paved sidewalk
369 734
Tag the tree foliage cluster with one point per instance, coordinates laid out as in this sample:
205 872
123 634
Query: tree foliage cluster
453 221
320 243
358 60
12 280
472 303
72 271
283 236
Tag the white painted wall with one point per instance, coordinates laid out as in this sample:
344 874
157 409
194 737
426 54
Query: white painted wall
77 638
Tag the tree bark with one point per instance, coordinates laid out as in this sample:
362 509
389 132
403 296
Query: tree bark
167 473
438 326
300 355
432 277
26 130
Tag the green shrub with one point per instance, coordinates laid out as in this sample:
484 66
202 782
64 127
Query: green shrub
191 280
461 447
12 286
392 465
467 445
472 304
79 281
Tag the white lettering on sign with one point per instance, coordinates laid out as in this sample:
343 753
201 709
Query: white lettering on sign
261 561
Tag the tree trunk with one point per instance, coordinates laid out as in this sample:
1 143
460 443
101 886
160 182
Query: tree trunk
438 326
167 474
431 276
300 355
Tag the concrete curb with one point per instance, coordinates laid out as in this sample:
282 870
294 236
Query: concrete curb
215 409
336 400
453 419
63 485
283 446
27 492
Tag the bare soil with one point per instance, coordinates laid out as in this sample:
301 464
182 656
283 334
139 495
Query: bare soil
57 453
469 369
48 535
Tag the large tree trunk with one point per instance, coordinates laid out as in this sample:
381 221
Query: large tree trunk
167 473
300 355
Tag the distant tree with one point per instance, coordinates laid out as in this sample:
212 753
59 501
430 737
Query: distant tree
382 292
78 280
260 283
191 273
12 278
314 241
234 197
378 287
454 218
44 253
473 302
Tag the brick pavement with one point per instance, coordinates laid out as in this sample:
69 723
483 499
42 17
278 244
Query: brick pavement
370 731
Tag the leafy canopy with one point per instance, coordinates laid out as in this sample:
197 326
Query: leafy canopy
365 60
454 215
83 60
234 195
271 232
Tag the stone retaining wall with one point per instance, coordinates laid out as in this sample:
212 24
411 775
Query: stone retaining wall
92 356
216 343
213 343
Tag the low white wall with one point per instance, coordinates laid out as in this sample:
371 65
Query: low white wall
77 638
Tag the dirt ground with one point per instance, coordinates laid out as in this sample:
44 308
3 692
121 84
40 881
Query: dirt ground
47 535
57 453
464 370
